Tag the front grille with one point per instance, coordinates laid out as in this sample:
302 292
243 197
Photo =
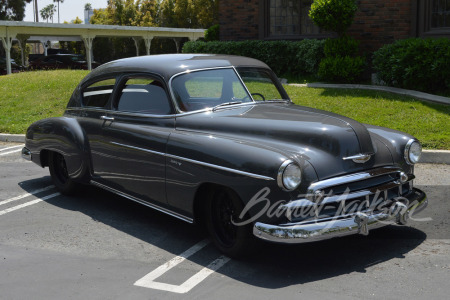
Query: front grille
369 191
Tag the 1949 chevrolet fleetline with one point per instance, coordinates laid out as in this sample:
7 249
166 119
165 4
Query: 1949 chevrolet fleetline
215 140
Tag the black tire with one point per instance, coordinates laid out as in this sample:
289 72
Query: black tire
224 206
59 174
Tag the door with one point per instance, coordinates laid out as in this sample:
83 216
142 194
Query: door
134 135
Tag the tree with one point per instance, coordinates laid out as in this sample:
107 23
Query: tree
76 21
48 12
206 12
13 10
88 6
333 15
59 1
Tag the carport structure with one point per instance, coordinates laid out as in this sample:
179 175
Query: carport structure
24 32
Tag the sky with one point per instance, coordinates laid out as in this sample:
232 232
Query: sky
69 9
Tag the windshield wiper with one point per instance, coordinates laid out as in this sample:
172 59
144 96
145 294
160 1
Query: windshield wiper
226 104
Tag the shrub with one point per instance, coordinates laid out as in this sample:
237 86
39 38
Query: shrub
341 63
418 64
212 33
341 68
333 15
284 57
343 46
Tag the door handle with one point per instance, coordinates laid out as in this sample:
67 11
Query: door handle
106 118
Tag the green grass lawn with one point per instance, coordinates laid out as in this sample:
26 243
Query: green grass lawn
429 122
30 96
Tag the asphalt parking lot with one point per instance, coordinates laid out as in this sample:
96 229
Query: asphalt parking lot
101 246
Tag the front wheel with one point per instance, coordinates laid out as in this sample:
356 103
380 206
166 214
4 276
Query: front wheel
60 176
222 211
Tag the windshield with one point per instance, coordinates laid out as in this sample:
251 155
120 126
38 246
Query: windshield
260 84
208 89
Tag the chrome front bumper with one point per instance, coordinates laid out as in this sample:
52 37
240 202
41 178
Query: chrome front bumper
358 223
26 153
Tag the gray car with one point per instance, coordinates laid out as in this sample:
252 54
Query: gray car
216 140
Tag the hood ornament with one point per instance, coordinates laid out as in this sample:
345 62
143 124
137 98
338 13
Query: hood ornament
359 158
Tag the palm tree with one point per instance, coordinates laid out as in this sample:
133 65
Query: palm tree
62 1
36 11
48 12
45 14
88 6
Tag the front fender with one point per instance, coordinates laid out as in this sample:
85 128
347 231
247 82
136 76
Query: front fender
247 168
65 136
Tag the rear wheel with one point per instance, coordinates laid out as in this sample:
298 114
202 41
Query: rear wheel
222 210
60 175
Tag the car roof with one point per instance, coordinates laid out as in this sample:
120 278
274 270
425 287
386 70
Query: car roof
167 65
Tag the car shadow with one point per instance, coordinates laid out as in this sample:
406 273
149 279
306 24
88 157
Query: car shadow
271 266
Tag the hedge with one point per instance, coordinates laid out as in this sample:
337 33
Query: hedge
284 57
418 64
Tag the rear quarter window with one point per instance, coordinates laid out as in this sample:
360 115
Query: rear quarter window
98 93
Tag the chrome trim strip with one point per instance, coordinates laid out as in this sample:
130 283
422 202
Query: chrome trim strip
359 158
138 148
296 233
351 178
93 93
156 207
221 168
198 162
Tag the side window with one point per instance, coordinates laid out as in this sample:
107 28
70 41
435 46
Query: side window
98 93
144 95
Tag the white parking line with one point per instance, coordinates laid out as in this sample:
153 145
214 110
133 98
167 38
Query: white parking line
26 195
7 148
148 281
5 211
9 152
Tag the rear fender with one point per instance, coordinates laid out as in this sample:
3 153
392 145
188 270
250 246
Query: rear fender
65 136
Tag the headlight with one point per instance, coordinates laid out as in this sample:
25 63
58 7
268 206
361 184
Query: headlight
413 150
289 176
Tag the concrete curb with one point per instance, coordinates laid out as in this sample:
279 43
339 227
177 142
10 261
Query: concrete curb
435 157
398 91
12 138
428 156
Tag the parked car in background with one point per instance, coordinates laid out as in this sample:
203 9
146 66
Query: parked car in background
215 140
15 68
61 61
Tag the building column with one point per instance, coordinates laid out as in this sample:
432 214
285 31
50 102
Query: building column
88 40
136 40
148 43
177 44
22 39
7 44
45 44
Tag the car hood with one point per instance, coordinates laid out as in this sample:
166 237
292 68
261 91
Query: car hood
322 138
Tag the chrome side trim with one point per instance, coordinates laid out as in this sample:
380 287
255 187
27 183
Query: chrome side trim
351 178
151 205
138 148
358 223
221 168
257 176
